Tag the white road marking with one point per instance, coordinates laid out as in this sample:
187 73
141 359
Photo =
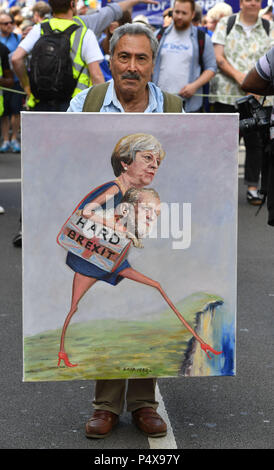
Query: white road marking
11 180
167 442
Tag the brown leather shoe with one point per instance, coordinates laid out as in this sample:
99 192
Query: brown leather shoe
101 424
149 422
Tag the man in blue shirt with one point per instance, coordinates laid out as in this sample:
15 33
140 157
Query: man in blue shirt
133 49
177 67
132 52
12 101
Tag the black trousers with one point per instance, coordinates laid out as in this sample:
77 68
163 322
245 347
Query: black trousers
255 145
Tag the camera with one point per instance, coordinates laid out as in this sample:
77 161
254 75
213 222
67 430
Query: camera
253 116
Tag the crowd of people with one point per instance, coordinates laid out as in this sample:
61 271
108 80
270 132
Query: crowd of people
122 63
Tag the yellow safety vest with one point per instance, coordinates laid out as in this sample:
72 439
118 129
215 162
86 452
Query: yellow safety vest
1 91
78 65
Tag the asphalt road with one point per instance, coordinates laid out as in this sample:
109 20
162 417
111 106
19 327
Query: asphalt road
204 413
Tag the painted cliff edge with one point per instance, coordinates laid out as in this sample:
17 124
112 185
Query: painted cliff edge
157 345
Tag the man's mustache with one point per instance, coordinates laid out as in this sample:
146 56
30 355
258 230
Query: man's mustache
133 76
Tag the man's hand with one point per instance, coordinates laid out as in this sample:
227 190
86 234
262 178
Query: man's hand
27 90
188 90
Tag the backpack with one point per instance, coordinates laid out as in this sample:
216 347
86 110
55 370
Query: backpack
232 19
51 74
96 95
200 38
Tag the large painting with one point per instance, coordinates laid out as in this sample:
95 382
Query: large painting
129 245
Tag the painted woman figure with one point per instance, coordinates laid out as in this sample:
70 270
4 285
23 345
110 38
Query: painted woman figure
135 161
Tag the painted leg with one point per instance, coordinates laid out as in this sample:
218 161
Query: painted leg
130 273
81 284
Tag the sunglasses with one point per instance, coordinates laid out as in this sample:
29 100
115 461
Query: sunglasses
7 22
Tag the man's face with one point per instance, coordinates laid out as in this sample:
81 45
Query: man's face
251 7
182 15
132 64
6 25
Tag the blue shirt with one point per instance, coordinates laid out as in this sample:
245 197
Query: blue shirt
11 42
112 105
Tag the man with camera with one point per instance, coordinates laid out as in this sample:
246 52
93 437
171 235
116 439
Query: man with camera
260 81
239 40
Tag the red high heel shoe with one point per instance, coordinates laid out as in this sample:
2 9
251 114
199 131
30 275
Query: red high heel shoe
63 356
205 346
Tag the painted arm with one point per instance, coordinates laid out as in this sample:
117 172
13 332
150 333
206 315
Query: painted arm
130 273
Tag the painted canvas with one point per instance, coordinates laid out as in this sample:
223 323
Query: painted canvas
129 245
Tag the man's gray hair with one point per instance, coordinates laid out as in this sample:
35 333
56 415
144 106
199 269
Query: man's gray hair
133 29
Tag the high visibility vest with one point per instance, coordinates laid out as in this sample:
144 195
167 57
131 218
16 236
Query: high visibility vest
79 67
1 91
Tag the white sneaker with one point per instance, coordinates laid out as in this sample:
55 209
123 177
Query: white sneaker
2 210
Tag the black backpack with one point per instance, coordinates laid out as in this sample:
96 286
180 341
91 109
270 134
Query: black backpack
51 75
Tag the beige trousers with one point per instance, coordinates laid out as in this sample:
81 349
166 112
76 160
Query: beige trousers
111 395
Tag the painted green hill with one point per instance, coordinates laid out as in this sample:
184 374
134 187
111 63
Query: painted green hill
116 349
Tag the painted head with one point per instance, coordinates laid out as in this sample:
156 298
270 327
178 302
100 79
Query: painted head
140 209
137 157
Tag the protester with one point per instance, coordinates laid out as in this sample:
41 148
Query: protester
41 10
180 67
130 90
13 102
237 48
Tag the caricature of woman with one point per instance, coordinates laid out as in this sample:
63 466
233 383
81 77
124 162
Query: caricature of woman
135 161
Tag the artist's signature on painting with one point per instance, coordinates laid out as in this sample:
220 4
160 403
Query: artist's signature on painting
142 370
